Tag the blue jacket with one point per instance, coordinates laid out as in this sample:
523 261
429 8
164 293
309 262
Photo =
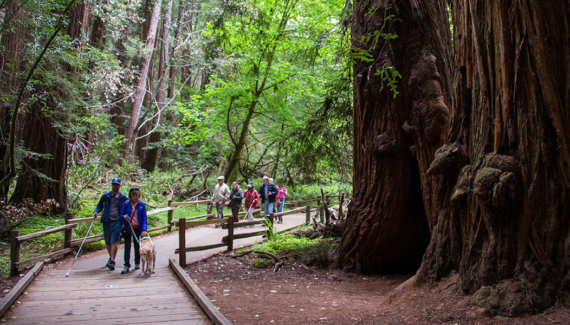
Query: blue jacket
141 214
105 205
271 189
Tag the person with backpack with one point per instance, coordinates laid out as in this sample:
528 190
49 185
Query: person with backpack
110 204
267 191
280 202
219 197
236 198
251 200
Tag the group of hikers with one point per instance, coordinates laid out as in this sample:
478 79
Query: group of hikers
272 198
127 217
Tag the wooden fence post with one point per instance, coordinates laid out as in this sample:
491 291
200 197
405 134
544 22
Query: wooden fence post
14 252
170 214
68 233
182 242
230 234
272 224
308 215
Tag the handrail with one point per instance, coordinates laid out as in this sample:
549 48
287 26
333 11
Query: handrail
44 233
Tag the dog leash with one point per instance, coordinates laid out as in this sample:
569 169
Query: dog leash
134 235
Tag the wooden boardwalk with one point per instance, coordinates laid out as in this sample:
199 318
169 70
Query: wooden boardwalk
98 296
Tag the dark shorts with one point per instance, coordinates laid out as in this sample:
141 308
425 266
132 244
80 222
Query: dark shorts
112 232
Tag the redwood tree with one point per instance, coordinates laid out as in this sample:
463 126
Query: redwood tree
492 157
396 136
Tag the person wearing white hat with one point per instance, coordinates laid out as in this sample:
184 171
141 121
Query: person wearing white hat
220 195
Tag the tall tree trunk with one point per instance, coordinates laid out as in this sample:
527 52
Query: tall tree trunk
44 178
12 45
152 154
142 82
505 225
395 138
502 155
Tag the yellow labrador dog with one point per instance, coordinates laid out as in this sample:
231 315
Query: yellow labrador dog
148 255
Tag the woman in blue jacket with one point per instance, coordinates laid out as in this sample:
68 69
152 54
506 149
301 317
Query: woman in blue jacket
133 212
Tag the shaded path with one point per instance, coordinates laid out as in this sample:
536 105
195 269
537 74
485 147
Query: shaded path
93 294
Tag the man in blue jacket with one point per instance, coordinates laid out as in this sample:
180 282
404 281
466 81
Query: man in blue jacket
267 193
110 203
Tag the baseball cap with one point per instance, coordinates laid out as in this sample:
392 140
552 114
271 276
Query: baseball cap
250 185
221 177
116 180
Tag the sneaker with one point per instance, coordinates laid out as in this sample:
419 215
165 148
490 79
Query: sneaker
125 270
108 262
137 266
111 264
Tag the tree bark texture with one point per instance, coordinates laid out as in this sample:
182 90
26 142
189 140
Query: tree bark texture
141 85
395 139
505 184
491 150
11 45
152 154
41 137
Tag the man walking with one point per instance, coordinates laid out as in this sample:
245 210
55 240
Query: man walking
267 192
111 203
221 194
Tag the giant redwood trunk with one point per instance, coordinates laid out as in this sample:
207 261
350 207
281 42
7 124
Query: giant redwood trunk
395 138
496 190
505 226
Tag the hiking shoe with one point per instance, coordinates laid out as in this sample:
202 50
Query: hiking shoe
110 264
137 266
125 270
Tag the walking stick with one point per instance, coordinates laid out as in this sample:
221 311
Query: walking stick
80 247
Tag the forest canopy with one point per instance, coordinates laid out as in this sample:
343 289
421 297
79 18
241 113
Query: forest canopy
175 85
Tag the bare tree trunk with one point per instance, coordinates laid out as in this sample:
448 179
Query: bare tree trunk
152 154
396 138
141 86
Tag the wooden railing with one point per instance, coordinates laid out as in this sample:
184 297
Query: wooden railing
70 223
228 223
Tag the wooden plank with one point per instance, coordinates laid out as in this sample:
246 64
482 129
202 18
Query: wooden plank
242 224
46 256
101 293
158 228
124 317
298 210
45 232
200 223
245 235
176 204
175 222
99 313
155 211
108 300
215 316
81 220
201 248
90 239
24 282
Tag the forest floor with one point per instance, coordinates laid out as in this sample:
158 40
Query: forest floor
297 294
